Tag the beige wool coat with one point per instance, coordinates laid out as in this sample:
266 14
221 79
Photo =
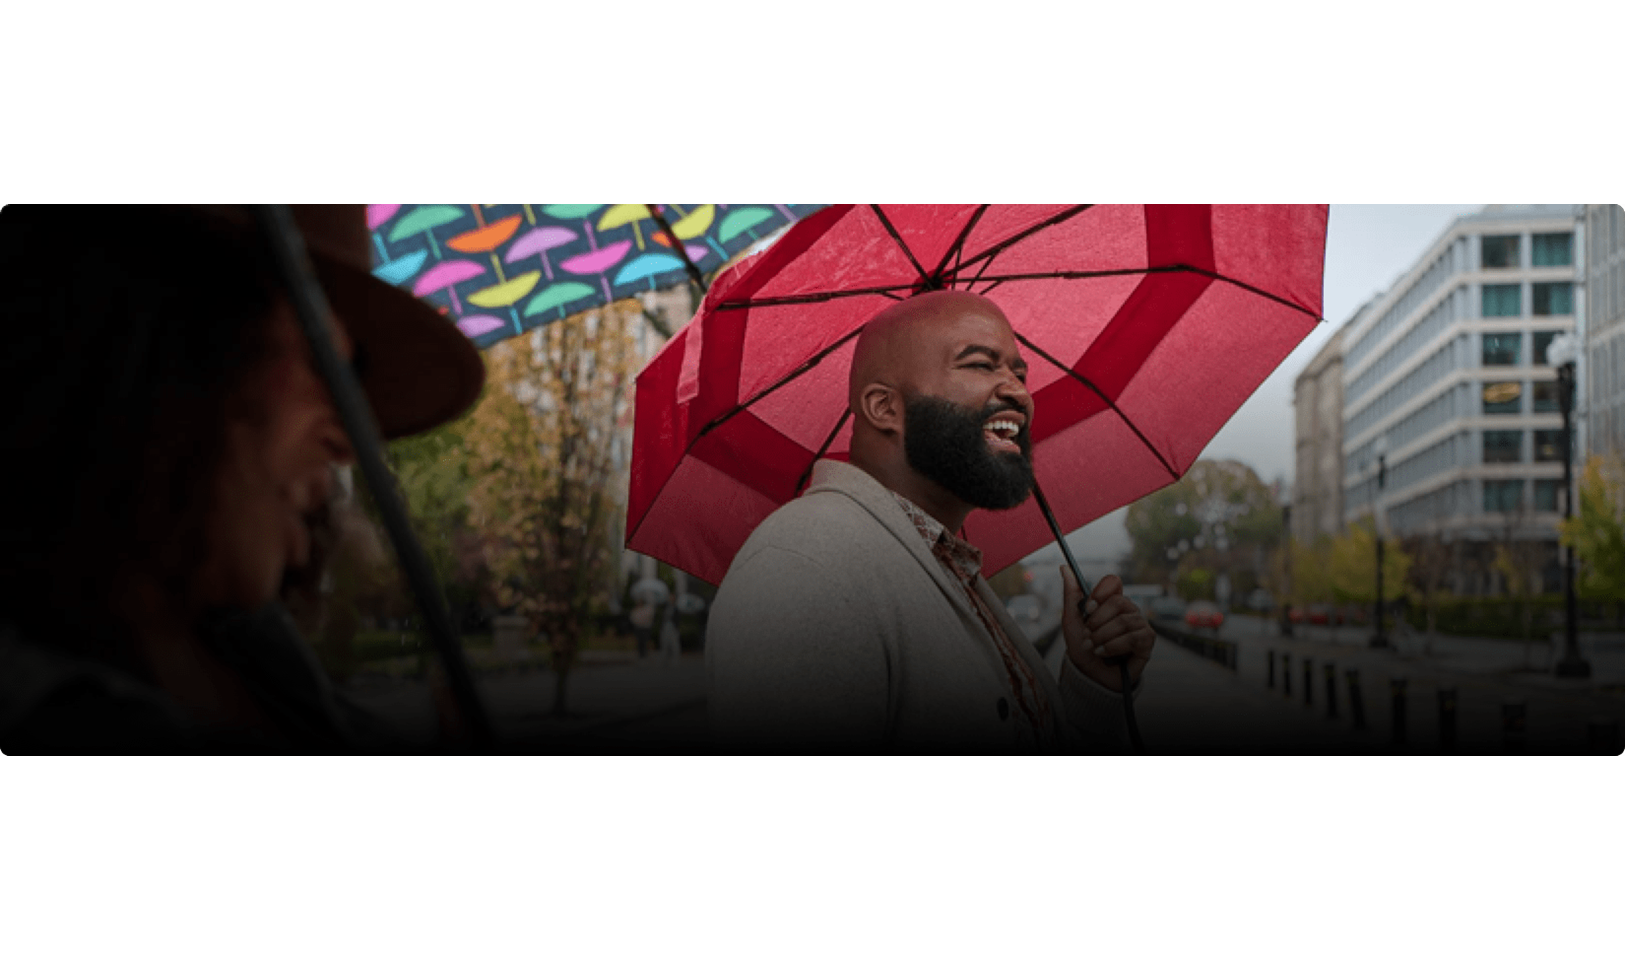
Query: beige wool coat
836 624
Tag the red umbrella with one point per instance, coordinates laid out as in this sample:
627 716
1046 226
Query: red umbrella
1145 328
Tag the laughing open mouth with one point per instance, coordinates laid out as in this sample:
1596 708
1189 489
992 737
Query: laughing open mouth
1002 432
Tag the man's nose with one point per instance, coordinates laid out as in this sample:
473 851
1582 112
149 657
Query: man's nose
1013 390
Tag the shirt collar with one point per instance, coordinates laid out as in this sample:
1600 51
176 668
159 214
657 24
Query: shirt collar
960 557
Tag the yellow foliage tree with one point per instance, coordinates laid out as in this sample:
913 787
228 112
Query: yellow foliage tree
1310 578
1597 530
1353 565
548 493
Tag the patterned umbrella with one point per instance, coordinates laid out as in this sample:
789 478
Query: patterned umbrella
498 270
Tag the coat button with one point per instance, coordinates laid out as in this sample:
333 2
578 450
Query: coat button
1004 709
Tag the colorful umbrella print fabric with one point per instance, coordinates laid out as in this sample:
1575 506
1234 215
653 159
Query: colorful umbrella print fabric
498 270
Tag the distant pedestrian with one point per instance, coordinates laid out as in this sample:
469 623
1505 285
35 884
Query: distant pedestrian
643 622
671 640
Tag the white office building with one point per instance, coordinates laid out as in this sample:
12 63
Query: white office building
1603 319
1445 382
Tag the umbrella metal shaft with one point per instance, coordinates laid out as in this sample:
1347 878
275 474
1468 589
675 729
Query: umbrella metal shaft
310 304
1072 562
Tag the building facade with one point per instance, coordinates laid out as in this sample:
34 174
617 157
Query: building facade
1317 401
1445 382
1603 367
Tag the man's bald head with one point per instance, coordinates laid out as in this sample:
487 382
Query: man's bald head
900 338
940 408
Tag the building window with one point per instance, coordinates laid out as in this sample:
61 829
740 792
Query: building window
1500 253
1548 446
1503 446
1541 342
1552 249
1546 495
1501 349
1502 398
1502 300
1551 299
1502 496
1546 396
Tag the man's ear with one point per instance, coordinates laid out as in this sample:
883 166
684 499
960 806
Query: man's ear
882 407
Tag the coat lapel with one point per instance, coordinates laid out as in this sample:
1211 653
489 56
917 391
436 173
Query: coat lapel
869 493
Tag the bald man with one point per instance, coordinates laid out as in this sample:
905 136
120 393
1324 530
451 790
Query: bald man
855 614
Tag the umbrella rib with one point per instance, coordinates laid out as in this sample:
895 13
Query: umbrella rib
1105 399
677 245
821 297
978 278
1172 268
958 247
901 245
806 365
807 473
1002 245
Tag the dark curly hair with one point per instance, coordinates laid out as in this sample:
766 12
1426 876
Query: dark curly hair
129 335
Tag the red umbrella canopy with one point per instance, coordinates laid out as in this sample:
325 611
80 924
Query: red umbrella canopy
1144 327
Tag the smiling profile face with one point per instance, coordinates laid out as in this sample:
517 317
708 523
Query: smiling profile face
277 474
968 414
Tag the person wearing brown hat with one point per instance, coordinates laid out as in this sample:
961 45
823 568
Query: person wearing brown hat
171 456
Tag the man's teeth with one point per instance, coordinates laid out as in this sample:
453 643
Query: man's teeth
1005 428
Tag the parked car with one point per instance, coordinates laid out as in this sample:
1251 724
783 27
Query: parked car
1260 600
1203 614
1324 614
1166 609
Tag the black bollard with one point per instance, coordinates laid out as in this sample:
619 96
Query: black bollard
1602 736
1286 674
1397 687
1356 702
1308 682
1331 691
1447 717
1271 659
1514 713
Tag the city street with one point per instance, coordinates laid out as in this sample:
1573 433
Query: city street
1188 704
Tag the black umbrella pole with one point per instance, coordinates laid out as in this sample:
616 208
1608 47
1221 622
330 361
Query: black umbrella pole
310 303
1072 562
677 247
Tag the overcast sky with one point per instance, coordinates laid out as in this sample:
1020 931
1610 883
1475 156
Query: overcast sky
1368 247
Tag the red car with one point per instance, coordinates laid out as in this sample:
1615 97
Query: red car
1324 615
1203 614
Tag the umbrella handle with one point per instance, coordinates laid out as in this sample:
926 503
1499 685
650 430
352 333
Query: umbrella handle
310 303
1072 562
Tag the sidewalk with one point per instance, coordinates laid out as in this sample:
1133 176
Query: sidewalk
1188 704
600 698
1485 674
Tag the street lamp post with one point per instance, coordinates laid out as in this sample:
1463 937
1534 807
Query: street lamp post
1562 354
1286 601
1380 638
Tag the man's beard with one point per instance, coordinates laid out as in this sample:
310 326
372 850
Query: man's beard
944 442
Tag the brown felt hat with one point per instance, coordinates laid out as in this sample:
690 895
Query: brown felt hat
418 369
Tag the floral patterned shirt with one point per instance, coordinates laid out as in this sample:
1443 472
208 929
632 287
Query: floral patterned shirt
964 563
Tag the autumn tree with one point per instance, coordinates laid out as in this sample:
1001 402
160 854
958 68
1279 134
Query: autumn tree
545 448
1597 530
1353 565
1311 579
1432 563
1220 517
